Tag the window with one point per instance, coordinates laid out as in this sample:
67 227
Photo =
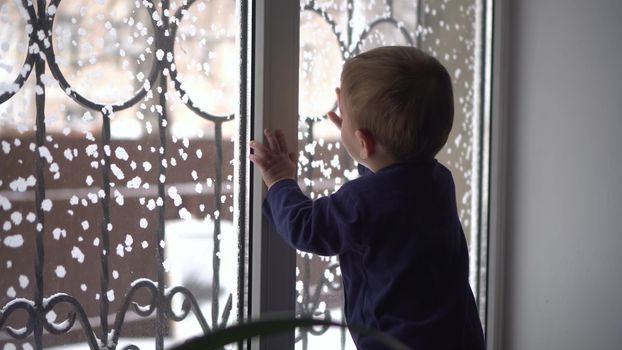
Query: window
130 217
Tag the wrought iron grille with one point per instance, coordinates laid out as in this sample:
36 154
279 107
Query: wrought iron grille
165 21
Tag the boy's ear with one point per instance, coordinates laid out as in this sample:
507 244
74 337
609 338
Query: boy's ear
367 144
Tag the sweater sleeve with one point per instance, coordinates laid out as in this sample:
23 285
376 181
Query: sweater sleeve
327 226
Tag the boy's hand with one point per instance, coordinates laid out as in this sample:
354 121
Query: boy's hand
336 119
273 159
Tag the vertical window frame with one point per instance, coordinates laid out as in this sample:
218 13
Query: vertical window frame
496 105
275 89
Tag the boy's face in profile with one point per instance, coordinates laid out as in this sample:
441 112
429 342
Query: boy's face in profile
348 137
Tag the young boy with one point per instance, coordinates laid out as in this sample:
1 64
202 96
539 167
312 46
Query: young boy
401 247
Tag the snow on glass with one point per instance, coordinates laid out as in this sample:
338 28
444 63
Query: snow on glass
106 50
447 29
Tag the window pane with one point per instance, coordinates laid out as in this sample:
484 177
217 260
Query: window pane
116 172
332 31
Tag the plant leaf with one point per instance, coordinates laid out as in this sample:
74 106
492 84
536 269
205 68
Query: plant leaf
219 338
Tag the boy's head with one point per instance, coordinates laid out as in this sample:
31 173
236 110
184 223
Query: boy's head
402 97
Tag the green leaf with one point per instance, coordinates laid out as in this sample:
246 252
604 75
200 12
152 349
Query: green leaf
221 337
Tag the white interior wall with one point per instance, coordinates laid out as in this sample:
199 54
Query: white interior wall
563 262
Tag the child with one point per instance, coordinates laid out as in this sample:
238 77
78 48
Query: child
401 247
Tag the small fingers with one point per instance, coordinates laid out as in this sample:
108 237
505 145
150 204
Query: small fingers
259 161
271 142
260 150
280 137
293 157
335 119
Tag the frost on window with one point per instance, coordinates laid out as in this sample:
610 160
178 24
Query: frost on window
332 31
116 170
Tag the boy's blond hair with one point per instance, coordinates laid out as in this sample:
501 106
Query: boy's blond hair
403 97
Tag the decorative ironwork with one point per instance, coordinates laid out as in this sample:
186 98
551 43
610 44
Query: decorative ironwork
41 52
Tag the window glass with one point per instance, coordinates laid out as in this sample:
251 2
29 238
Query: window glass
116 172
332 31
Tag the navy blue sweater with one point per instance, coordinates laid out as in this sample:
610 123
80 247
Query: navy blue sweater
402 251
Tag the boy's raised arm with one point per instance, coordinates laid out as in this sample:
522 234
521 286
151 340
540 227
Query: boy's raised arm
326 226
321 226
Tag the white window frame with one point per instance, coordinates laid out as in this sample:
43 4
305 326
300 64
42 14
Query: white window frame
273 262
496 102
